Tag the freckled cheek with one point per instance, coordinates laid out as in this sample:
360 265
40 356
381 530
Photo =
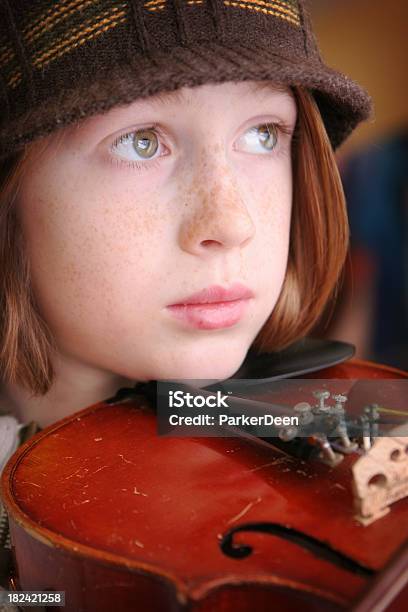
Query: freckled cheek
274 216
117 250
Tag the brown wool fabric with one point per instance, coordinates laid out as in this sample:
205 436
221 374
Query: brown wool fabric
62 60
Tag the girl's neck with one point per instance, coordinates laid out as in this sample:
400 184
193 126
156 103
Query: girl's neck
76 386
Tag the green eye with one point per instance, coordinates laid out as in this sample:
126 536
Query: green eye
262 138
268 135
145 143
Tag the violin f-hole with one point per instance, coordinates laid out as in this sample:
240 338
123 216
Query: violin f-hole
313 545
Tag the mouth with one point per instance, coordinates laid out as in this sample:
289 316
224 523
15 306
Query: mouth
214 307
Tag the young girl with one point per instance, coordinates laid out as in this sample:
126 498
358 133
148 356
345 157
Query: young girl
151 152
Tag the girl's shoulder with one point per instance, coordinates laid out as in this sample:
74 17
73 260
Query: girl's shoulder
10 430
12 435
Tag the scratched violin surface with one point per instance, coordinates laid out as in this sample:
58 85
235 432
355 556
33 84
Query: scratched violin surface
103 508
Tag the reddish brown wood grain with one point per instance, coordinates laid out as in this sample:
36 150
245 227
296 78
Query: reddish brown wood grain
120 518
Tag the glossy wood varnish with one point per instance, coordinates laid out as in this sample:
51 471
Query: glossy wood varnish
120 518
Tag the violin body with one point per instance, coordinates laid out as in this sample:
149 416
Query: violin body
119 518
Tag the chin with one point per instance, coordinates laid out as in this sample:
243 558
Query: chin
210 370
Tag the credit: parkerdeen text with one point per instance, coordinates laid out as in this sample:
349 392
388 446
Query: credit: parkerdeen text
233 420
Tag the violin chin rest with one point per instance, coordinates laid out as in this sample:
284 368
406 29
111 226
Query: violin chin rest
303 357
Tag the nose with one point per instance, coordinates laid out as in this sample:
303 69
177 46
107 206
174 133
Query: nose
217 217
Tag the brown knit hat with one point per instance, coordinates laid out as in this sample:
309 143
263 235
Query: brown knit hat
61 60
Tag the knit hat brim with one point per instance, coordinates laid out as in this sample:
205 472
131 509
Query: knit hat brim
342 102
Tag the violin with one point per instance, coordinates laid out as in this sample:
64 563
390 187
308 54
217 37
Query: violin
118 517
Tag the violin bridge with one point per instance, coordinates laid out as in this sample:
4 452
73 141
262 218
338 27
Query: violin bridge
380 478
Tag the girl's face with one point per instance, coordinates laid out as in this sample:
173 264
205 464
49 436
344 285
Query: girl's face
135 210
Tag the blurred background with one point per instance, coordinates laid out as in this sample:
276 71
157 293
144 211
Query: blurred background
367 40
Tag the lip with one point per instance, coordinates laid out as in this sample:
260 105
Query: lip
214 307
217 294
